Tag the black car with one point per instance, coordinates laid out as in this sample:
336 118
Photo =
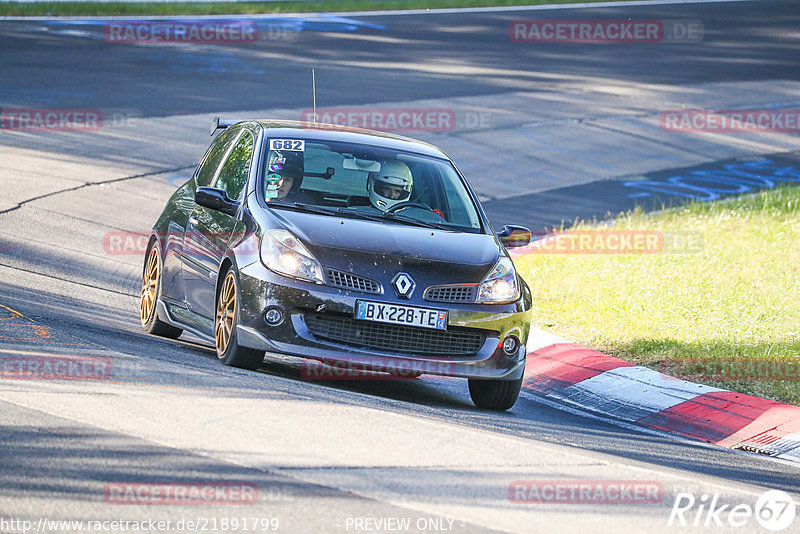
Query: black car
343 246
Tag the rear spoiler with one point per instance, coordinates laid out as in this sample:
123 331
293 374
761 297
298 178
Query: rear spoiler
221 124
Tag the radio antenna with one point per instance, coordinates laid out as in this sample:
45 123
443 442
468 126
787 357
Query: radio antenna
314 92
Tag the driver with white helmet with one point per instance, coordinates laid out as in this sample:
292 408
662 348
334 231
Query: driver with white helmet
390 186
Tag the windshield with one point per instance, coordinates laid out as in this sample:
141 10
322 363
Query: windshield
375 183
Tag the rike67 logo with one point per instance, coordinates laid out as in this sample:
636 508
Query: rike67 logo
774 510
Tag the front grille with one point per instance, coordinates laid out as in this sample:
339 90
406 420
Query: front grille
395 338
352 282
450 293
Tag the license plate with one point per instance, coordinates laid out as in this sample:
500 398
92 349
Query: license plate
383 312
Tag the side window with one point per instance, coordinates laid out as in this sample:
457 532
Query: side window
459 204
234 172
214 156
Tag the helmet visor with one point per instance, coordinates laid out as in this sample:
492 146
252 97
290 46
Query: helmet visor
392 191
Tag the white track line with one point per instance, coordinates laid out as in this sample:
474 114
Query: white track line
444 11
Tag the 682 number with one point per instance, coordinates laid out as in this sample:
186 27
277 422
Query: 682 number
287 144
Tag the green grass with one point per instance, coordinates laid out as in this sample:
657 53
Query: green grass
738 298
228 8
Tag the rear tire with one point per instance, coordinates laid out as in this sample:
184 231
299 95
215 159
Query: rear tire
151 292
494 394
229 352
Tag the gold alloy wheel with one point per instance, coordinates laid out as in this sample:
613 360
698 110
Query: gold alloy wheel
149 285
226 313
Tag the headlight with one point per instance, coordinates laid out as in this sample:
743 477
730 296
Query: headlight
284 254
500 285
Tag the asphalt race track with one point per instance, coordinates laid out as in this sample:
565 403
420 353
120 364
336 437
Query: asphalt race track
343 456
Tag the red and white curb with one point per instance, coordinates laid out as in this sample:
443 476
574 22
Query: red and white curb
590 380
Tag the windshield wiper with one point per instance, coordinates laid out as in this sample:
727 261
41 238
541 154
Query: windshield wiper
346 212
310 208
412 221
383 217
325 210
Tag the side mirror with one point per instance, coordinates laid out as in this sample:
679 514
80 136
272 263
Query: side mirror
215 199
514 236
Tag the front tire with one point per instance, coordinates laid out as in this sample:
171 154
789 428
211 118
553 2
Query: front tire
151 292
494 394
226 319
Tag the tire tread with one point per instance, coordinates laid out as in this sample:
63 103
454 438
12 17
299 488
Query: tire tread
494 394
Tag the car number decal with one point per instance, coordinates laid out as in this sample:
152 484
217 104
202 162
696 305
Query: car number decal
296 145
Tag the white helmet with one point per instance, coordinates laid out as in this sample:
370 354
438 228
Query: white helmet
391 185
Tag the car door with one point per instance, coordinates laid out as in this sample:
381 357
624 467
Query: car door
174 259
208 231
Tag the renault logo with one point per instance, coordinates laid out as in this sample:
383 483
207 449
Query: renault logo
403 285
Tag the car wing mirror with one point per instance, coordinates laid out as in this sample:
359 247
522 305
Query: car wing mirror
514 236
215 199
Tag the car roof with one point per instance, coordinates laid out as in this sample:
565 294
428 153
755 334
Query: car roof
333 132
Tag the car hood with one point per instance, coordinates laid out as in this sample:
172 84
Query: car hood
356 245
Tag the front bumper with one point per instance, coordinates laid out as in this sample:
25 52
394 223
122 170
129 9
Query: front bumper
261 289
